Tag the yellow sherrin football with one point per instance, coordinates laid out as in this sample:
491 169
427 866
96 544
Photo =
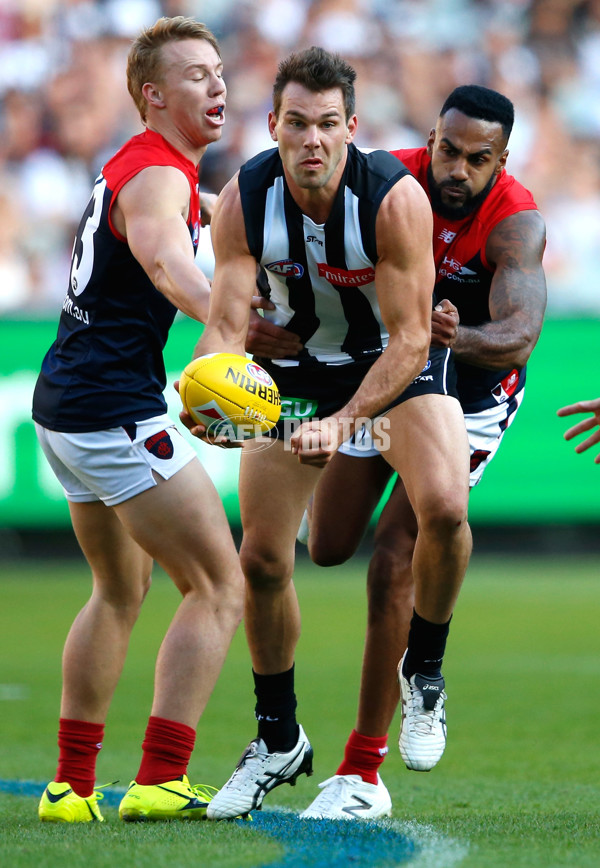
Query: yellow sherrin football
230 394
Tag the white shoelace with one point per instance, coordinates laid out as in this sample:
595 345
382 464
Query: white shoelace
331 790
251 767
420 720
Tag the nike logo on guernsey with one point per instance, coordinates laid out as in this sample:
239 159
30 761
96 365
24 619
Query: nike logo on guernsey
56 797
353 810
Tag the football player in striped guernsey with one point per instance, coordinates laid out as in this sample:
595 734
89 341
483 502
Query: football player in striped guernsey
343 239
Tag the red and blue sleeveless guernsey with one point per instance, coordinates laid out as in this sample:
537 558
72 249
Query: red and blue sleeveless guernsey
105 368
464 275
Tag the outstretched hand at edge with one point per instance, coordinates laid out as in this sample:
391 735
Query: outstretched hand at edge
588 424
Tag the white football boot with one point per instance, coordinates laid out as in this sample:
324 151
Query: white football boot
257 773
423 733
348 797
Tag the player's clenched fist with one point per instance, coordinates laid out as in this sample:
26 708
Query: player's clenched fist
315 442
444 324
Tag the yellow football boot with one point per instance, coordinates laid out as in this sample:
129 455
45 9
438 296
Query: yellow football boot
59 804
174 800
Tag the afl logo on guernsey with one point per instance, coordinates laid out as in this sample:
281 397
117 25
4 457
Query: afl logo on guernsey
259 374
160 445
286 268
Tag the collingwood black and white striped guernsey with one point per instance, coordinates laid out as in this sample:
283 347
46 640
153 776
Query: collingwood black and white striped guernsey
321 276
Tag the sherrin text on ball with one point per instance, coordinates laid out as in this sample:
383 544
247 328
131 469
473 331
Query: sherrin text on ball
231 395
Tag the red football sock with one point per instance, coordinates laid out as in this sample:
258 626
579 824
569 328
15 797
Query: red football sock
167 747
363 756
79 743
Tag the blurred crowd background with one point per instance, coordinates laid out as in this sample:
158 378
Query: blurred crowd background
64 109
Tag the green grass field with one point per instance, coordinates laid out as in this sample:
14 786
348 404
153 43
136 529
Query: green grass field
518 787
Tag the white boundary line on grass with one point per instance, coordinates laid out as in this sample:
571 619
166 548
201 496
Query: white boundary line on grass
434 850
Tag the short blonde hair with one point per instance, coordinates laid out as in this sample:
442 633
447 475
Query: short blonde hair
144 60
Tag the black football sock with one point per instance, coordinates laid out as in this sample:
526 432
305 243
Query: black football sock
276 710
426 646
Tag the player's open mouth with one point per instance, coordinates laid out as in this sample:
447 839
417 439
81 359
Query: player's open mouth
217 113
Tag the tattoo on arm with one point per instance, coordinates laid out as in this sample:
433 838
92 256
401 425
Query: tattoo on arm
517 296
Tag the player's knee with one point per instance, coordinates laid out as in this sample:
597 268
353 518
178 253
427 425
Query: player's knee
445 516
328 551
265 569
125 600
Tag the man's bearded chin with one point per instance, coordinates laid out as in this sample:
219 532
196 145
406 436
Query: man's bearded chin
457 212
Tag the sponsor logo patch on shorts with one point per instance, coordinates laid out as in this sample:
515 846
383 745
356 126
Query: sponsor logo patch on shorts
506 387
160 445
298 408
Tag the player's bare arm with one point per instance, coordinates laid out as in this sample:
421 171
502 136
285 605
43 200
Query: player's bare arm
585 425
517 296
151 212
404 278
234 280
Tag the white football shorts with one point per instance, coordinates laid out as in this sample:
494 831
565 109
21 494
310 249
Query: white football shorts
485 430
118 463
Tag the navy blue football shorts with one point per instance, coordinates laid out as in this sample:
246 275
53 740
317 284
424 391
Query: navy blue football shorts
317 390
